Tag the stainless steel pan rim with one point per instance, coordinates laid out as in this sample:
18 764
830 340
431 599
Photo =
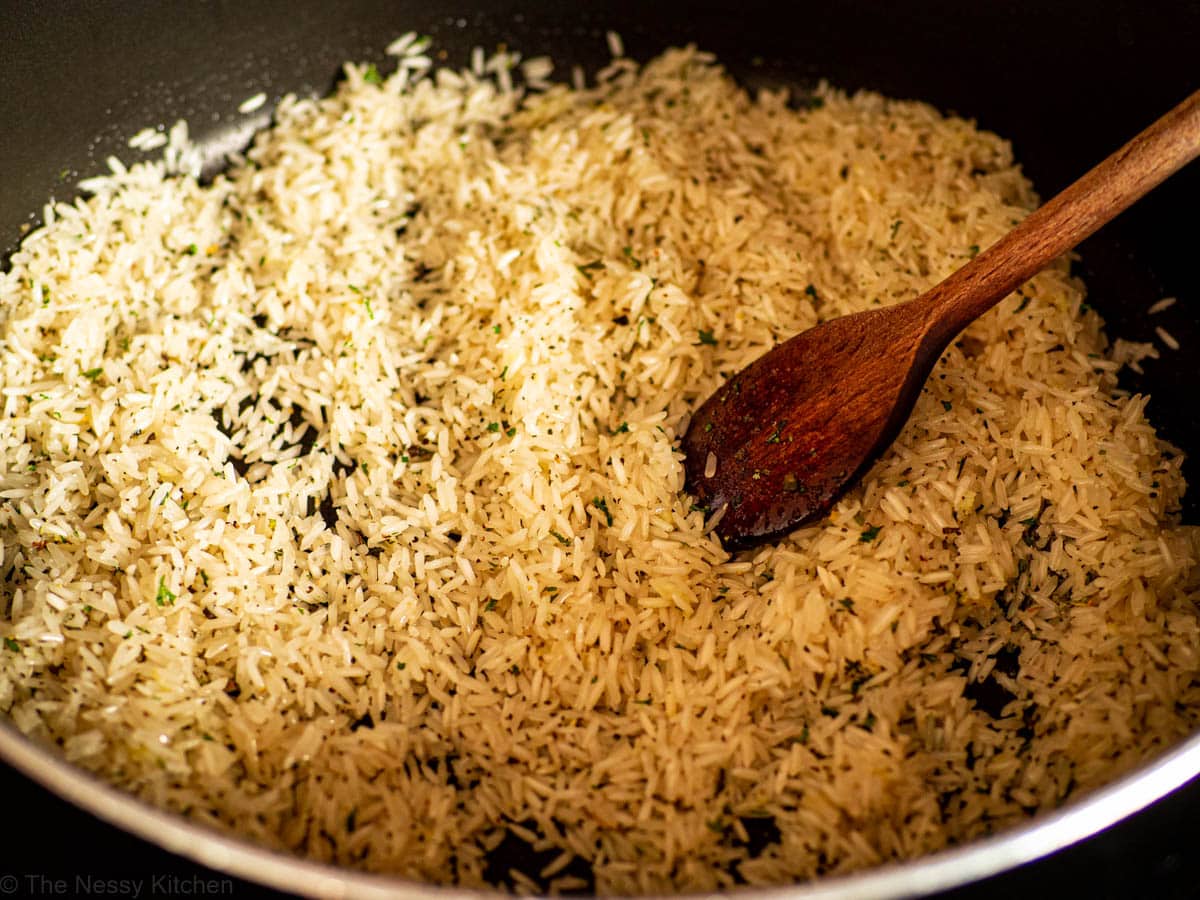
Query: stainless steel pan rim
940 871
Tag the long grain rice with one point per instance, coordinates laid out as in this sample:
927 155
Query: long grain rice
343 501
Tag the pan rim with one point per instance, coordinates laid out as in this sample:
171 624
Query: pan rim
947 869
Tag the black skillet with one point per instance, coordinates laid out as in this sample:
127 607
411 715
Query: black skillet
1066 81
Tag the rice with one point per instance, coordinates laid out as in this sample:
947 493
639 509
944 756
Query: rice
1166 337
148 139
250 104
399 47
616 46
344 500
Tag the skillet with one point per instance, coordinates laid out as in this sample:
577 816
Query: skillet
1066 82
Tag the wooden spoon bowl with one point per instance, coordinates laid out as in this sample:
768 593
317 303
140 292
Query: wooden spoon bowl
780 441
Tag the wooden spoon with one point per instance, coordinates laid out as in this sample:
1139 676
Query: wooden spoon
780 441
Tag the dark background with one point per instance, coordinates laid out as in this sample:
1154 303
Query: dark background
1066 81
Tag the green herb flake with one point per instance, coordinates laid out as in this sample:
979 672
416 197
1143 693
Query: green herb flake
869 534
706 337
493 427
93 374
601 504
12 645
623 428
164 595
562 540
511 431
973 250
503 373
372 76
811 291
947 405
400 666
491 604
495 329
191 250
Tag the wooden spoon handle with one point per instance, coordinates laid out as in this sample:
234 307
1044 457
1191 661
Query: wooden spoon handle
1142 164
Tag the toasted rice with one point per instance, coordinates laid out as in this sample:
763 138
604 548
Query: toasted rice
344 500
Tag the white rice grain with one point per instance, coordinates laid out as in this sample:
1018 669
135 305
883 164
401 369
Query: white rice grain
250 104
1166 337
615 45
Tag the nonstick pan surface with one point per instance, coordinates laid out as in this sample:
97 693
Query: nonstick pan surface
1066 82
